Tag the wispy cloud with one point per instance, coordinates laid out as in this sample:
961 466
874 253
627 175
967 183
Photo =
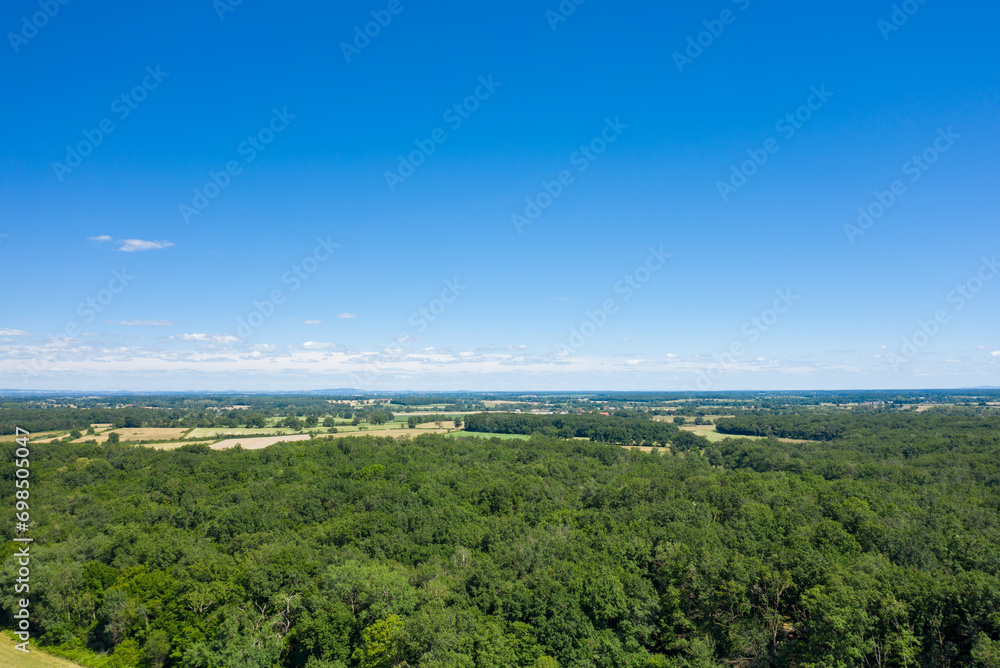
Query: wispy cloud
348 315
13 332
142 323
132 245
312 322
995 353
208 338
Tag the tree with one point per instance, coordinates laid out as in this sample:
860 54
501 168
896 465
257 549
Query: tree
312 421
381 644
256 421
458 421
113 437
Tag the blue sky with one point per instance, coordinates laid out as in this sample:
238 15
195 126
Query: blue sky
648 263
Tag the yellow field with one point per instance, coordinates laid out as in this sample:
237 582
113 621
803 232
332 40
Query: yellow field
143 434
12 658
647 448
213 432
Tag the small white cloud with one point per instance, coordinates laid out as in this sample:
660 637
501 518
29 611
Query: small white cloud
143 323
312 322
560 299
214 338
318 345
132 245
671 356
995 353
100 239
348 315
13 332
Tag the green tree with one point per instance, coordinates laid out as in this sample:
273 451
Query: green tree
381 644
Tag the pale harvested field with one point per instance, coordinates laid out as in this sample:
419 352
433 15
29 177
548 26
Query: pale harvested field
647 448
394 432
12 658
173 445
142 434
216 432
32 437
258 443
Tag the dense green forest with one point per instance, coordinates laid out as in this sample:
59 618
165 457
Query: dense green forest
879 546
616 429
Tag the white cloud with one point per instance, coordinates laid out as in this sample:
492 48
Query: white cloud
131 245
312 322
13 332
99 239
143 323
995 353
213 338
348 315
318 345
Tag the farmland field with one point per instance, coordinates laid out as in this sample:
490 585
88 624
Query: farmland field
464 434
33 659
213 432
257 443
142 434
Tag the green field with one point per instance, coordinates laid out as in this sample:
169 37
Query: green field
476 434
12 658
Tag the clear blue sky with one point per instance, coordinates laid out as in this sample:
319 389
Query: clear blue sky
191 88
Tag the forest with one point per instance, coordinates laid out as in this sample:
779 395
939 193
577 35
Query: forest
616 429
876 543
